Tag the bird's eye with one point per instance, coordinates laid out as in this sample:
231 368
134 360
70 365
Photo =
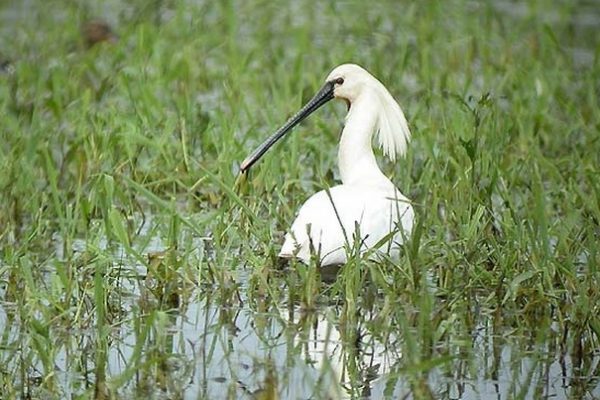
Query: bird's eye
339 81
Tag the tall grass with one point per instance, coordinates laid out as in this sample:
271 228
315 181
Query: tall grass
120 211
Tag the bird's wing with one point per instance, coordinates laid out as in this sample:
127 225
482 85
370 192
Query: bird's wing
329 220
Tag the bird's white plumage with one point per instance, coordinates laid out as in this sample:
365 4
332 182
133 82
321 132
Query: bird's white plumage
327 222
333 230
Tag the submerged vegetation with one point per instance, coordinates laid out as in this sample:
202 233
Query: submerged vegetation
132 265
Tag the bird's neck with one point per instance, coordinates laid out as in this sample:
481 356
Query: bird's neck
357 162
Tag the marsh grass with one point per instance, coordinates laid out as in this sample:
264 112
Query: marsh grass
122 213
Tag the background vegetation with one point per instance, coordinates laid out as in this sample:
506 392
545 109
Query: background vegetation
131 265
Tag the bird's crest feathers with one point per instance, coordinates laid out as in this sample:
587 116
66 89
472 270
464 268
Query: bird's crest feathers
391 129
393 134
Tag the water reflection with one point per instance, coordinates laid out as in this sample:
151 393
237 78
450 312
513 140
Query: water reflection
166 335
225 348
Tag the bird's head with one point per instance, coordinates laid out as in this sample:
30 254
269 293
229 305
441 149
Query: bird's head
348 82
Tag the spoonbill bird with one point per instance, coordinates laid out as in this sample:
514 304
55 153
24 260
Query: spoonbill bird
366 210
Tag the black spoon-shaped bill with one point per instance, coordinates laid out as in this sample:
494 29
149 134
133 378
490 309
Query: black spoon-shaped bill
323 96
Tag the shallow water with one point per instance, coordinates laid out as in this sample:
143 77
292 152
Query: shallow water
215 343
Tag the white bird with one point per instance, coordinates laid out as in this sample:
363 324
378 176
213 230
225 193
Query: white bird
366 212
